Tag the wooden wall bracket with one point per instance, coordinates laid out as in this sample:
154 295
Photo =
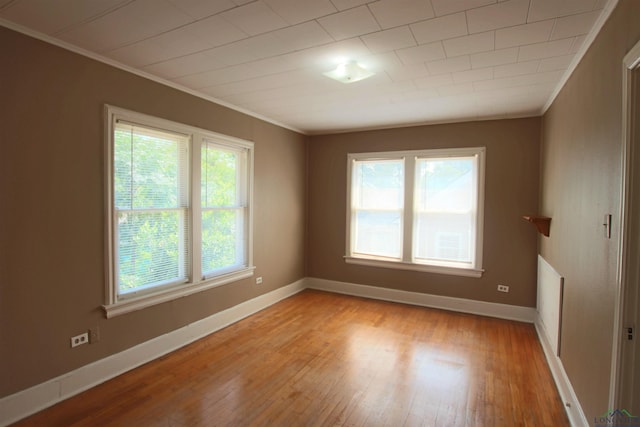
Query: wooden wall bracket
542 223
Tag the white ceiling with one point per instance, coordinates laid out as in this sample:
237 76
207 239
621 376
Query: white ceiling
435 60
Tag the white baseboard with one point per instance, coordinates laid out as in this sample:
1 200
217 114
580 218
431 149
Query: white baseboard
491 309
36 398
567 394
24 403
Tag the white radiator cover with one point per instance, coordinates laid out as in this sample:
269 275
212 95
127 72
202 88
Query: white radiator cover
549 305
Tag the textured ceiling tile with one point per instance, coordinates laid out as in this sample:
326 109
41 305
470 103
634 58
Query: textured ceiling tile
48 17
555 63
214 31
507 14
378 62
350 23
456 89
446 27
577 44
159 48
268 56
574 25
524 80
473 75
407 72
384 41
469 44
493 58
517 69
122 26
199 9
303 36
348 4
186 65
422 53
432 82
450 65
445 7
255 18
251 49
546 9
393 13
545 50
297 11
524 34
220 76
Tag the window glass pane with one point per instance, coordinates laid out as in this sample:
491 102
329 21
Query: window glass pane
378 184
151 249
223 244
377 199
223 189
220 184
378 233
445 214
150 183
147 168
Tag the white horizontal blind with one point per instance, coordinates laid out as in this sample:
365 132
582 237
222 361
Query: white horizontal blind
151 207
224 188
446 210
377 206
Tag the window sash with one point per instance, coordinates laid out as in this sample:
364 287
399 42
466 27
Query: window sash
185 210
151 208
413 257
450 206
224 210
233 241
377 207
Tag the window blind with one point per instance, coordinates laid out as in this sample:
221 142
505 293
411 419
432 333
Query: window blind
151 207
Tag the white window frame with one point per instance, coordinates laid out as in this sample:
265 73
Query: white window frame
116 303
407 261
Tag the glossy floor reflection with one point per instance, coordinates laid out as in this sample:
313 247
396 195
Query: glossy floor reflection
327 359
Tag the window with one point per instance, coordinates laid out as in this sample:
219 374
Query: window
417 210
167 237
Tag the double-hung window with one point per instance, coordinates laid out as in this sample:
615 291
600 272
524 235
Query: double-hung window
417 210
179 210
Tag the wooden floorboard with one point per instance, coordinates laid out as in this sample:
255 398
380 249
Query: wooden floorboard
322 359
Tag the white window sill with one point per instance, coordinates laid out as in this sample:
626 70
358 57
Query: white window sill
127 305
401 265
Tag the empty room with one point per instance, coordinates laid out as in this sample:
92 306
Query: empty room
319 212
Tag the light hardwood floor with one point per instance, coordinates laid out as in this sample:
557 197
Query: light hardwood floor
320 359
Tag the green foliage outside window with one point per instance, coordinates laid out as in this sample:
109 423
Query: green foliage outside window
151 221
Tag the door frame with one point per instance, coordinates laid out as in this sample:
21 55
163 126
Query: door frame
626 298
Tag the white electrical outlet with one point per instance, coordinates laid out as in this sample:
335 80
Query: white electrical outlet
503 288
80 339
259 280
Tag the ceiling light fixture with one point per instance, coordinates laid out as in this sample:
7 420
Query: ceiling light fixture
349 72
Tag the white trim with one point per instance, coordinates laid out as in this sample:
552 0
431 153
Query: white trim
116 304
625 278
24 403
401 265
19 405
147 300
80 51
565 389
406 258
482 308
591 36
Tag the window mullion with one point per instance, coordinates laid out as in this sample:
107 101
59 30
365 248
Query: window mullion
196 209
409 185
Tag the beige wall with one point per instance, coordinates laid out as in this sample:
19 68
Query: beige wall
52 216
581 155
512 177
